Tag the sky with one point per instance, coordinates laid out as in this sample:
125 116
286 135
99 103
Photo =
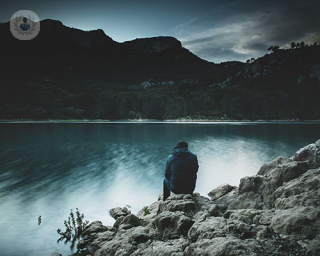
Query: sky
214 30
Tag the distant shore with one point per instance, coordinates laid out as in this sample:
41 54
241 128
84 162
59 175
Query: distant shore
155 121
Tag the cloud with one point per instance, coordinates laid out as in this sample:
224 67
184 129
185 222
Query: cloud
234 36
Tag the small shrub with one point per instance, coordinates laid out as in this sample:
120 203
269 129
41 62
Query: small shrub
74 228
226 215
146 211
242 219
252 215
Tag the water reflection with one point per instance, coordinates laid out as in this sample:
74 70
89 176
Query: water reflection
48 169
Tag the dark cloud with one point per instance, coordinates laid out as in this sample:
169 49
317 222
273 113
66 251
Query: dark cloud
250 30
215 30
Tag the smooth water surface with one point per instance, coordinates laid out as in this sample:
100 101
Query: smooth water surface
49 168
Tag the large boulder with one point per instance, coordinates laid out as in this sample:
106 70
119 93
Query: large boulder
149 212
303 222
183 203
126 222
276 178
308 153
268 167
250 184
225 201
248 200
313 247
119 212
303 191
172 224
210 228
219 246
220 191
95 227
162 248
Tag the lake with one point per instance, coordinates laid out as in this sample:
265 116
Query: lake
49 168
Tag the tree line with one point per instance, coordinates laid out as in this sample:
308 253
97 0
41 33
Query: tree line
286 92
293 45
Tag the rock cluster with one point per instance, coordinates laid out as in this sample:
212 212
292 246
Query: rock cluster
275 212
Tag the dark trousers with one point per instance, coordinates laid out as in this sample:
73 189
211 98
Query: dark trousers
166 191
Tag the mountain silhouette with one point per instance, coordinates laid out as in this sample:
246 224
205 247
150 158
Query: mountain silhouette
69 73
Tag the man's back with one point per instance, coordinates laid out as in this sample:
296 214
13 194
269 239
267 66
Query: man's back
181 170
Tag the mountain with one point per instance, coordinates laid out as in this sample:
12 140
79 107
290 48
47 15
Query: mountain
152 45
58 48
69 73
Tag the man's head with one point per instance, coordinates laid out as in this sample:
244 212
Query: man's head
182 144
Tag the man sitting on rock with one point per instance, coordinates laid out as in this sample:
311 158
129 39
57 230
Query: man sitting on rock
181 171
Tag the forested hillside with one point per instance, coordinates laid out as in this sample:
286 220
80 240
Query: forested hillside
66 73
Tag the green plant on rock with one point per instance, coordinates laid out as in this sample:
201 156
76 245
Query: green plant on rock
252 215
242 219
146 211
74 228
226 215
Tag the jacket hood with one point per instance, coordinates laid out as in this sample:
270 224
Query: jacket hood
181 152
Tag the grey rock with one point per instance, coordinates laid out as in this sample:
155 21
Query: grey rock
139 235
149 212
177 203
248 200
172 224
127 222
266 217
214 210
276 212
119 212
203 204
301 221
313 248
224 201
220 191
162 248
115 247
250 184
201 216
246 215
307 153
277 178
262 233
207 228
218 246
95 227
268 167
303 191
99 240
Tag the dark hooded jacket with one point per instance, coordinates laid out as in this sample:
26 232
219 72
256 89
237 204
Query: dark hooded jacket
181 171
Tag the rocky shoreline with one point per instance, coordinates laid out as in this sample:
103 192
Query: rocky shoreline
276 212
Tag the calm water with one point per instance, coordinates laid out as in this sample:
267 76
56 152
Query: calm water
48 169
